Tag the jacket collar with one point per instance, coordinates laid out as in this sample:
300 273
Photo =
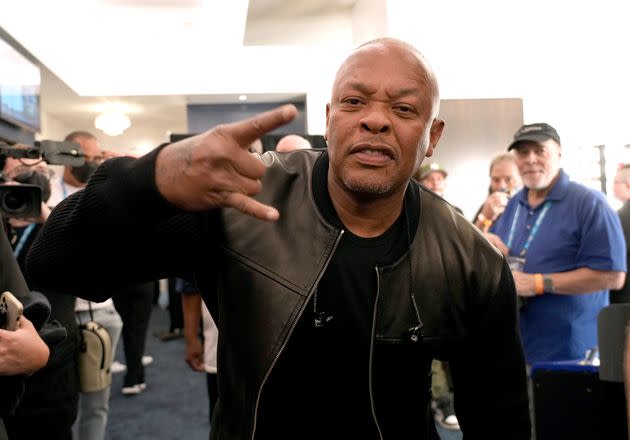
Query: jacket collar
324 204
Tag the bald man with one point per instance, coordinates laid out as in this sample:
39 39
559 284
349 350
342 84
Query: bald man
292 142
333 277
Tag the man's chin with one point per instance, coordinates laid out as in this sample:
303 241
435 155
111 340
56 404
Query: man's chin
537 185
368 188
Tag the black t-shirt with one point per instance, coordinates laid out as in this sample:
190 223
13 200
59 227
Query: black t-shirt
321 379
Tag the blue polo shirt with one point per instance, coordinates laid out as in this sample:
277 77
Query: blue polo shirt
579 229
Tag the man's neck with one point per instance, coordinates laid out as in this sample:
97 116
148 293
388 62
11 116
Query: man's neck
366 216
536 196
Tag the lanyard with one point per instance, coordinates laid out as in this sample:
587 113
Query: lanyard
23 238
63 189
532 233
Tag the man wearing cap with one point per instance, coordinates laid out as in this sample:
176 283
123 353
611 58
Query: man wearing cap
565 246
433 176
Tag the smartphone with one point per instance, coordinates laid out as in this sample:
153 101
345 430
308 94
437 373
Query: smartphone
10 311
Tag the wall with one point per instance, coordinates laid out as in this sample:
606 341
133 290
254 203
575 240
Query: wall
12 133
201 117
476 130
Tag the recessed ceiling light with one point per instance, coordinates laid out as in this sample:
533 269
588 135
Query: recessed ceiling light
242 97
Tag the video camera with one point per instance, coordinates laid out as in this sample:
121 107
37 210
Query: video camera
24 200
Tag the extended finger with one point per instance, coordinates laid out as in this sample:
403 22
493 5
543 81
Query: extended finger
251 207
248 165
247 131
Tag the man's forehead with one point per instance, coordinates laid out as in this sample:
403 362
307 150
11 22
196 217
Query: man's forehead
529 145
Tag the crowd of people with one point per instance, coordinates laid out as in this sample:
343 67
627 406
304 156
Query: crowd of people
338 294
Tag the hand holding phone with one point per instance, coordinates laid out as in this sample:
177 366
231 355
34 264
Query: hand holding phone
10 311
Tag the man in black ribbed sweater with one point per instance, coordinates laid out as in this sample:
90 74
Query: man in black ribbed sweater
333 278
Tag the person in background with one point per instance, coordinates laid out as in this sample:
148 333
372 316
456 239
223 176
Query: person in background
134 303
621 190
91 420
433 176
334 278
565 247
292 142
23 351
175 312
504 182
51 393
197 357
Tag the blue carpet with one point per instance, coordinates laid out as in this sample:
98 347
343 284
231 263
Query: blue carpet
175 403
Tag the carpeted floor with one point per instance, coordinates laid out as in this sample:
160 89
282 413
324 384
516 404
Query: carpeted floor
175 403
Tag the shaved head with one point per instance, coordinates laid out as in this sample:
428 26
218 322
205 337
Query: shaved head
292 142
414 56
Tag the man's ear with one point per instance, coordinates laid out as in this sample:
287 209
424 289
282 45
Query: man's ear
437 126
327 120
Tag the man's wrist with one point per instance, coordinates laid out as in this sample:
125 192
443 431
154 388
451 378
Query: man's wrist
484 221
548 284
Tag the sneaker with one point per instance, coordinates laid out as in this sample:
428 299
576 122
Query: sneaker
118 367
169 335
444 413
134 389
147 360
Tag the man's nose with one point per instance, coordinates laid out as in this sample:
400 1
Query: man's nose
376 121
530 156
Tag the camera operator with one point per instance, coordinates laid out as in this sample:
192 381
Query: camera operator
23 351
26 171
51 393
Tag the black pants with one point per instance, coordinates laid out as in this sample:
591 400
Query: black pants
134 306
49 405
213 392
175 312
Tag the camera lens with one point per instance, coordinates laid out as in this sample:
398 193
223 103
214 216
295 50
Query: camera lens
12 202
20 201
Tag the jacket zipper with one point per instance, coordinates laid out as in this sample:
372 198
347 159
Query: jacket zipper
275 359
378 291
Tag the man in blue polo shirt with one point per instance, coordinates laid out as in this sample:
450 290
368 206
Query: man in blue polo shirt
566 249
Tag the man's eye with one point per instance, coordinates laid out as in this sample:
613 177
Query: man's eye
352 101
405 109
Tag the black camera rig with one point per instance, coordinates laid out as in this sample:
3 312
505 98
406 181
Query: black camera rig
24 200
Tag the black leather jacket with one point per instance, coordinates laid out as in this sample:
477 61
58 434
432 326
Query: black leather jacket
265 273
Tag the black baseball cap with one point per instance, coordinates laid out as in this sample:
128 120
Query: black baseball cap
538 132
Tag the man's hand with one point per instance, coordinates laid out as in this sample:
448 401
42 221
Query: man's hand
216 170
525 284
495 205
22 351
194 354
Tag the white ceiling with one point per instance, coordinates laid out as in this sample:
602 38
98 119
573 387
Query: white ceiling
567 60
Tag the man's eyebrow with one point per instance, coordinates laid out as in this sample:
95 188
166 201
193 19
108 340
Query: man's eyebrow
360 87
363 88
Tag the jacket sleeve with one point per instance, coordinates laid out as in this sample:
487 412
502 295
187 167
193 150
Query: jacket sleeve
489 378
117 231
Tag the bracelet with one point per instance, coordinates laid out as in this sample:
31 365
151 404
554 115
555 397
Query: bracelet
486 222
539 285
